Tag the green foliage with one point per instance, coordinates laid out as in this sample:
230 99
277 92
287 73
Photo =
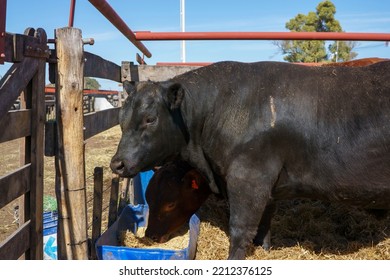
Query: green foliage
343 50
322 20
90 83
49 203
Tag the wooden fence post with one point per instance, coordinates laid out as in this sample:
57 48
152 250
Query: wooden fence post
113 207
97 208
71 194
37 151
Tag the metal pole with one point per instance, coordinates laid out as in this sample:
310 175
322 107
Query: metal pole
342 36
3 13
182 29
114 18
71 13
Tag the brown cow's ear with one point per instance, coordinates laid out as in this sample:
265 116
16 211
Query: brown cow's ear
194 184
175 95
193 180
129 87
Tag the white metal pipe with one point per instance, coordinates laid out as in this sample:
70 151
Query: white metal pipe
182 29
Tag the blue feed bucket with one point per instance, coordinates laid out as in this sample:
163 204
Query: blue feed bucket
141 182
134 216
50 235
108 248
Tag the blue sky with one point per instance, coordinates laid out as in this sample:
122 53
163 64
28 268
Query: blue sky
201 15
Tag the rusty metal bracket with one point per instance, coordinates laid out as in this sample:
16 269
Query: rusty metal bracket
37 48
33 43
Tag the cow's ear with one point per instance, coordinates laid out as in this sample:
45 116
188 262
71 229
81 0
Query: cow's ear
193 180
129 87
175 95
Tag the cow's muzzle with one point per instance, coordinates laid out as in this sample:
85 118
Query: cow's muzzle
118 167
156 237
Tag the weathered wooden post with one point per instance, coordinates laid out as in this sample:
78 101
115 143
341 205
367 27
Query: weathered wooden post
97 208
70 189
113 208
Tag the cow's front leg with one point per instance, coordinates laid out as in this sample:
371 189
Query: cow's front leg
247 205
249 192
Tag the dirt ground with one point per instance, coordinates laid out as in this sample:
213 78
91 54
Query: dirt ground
301 229
98 152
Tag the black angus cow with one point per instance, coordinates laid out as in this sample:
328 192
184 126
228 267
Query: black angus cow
266 130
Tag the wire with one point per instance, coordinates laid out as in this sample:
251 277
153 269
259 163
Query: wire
372 46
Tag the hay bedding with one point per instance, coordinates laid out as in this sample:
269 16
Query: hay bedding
178 241
301 229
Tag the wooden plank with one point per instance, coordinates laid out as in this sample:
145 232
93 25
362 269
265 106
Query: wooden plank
15 124
69 87
37 158
161 73
113 206
97 122
14 81
142 73
16 45
105 69
22 160
9 47
16 244
97 208
14 184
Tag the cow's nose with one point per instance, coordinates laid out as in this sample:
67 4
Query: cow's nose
151 236
154 238
117 166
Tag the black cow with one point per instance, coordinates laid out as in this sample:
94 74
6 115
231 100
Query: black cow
266 130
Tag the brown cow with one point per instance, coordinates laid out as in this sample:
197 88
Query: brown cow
174 193
357 62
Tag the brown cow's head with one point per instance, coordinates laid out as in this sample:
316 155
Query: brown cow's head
174 194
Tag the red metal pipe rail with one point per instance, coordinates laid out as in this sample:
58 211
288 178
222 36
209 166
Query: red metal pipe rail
183 63
106 10
3 8
71 13
338 36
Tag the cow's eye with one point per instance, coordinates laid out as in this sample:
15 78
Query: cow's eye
150 120
170 206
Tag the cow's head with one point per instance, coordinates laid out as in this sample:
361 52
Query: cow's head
174 194
152 127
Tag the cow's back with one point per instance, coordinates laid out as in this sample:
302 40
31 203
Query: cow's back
330 126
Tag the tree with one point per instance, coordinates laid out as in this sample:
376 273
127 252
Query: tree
323 20
91 83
